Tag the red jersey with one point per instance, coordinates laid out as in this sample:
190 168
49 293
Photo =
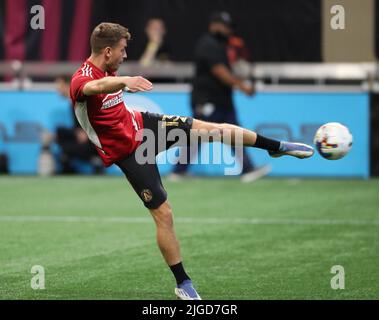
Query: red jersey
109 123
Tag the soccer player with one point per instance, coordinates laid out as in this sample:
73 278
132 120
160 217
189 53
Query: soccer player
115 130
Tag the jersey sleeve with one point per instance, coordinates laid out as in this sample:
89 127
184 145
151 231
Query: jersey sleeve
77 84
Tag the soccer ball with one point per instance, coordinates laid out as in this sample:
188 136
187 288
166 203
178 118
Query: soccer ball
333 141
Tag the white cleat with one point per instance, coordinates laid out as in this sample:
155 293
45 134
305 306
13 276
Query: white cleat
298 150
186 291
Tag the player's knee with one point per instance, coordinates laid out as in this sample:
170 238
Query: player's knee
212 130
220 129
163 215
223 127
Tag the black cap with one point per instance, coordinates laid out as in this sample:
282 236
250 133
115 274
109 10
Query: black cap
222 17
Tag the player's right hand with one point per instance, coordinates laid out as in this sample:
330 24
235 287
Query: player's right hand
138 83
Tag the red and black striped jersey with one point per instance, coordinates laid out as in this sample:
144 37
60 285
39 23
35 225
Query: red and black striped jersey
109 123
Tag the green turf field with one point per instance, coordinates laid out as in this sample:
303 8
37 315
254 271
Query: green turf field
274 239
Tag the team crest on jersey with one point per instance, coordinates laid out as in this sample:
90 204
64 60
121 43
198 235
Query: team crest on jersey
146 195
112 100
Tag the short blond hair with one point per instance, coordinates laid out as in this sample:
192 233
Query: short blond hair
108 34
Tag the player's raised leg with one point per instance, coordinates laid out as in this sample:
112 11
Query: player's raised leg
250 138
169 246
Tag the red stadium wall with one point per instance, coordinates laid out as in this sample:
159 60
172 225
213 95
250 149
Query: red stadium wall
274 30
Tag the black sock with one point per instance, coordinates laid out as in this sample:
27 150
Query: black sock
267 144
179 273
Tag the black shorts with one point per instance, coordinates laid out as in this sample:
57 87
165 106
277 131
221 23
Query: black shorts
144 177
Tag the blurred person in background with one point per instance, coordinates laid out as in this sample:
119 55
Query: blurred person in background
156 47
74 142
212 90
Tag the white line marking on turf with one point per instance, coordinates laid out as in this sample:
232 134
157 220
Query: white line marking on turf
194 220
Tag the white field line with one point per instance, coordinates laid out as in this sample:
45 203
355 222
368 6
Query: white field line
191 220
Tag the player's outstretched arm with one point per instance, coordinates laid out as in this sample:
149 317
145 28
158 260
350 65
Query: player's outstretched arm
114 84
